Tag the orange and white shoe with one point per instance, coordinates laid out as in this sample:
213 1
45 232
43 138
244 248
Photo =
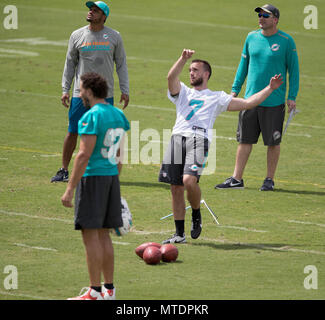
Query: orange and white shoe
109 294
90 294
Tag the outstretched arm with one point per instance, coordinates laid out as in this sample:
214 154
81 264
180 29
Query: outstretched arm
174 85
238 104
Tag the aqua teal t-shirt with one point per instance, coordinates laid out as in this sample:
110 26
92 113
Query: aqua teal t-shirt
262 58
109 124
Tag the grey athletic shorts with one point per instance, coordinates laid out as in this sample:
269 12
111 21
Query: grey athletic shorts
184 155
98 203
268 120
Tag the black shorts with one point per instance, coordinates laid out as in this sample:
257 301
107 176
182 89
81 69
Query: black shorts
268 120
184 155
98 203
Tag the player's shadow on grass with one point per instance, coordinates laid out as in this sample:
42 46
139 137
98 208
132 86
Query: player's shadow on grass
145 184
315 193
238 246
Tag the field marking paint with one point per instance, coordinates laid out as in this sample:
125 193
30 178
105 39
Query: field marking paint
306 135
228 116
42 152
9 293
34 217
306 222
11 53
242 228
164 20
121 243
37 41
64 43
33 247
143 232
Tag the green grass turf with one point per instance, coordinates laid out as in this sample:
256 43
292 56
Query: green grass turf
260 248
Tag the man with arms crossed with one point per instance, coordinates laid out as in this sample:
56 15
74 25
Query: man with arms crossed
266 52
196 109
95 175
93 48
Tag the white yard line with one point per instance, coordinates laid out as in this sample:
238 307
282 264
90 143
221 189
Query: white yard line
163 20
144 232
34 247
308 223
12 53
242 228
9 213
229 116
23 295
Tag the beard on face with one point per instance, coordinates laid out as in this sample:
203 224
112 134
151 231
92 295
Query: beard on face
86 102
197 82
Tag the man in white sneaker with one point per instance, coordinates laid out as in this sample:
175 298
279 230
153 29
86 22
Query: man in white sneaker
96 180
196 111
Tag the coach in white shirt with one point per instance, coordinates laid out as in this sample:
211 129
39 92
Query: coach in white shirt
197 109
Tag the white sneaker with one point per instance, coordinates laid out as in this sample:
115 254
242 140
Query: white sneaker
175 239
90 294
109 294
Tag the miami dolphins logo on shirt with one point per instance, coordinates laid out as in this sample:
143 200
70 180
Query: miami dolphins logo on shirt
275 47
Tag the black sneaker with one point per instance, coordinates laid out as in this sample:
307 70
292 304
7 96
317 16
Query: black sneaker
268 185
231 183
61 176
196 227
175 239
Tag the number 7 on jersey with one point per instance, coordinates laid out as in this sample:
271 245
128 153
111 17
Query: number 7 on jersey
197 104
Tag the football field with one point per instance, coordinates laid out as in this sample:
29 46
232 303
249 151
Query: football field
268 245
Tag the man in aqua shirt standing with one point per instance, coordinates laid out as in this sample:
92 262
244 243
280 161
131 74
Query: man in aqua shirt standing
96 180
266 52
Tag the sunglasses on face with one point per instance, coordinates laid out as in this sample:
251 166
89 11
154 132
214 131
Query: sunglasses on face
264 15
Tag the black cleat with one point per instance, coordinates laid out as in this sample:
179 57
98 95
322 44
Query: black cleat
268 185
196 227
61 176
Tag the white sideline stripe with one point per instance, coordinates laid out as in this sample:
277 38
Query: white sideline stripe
37 41
17 53
49 155
121 243
171 62
306 222
306 125
10 293
34 217
63 43
306 135
145 107
242 228
143 232
222 137
164 20
263 247
33 247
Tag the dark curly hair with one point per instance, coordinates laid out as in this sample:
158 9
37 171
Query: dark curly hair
96 83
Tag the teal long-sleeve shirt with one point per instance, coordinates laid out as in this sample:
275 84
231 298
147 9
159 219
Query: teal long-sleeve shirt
262 58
